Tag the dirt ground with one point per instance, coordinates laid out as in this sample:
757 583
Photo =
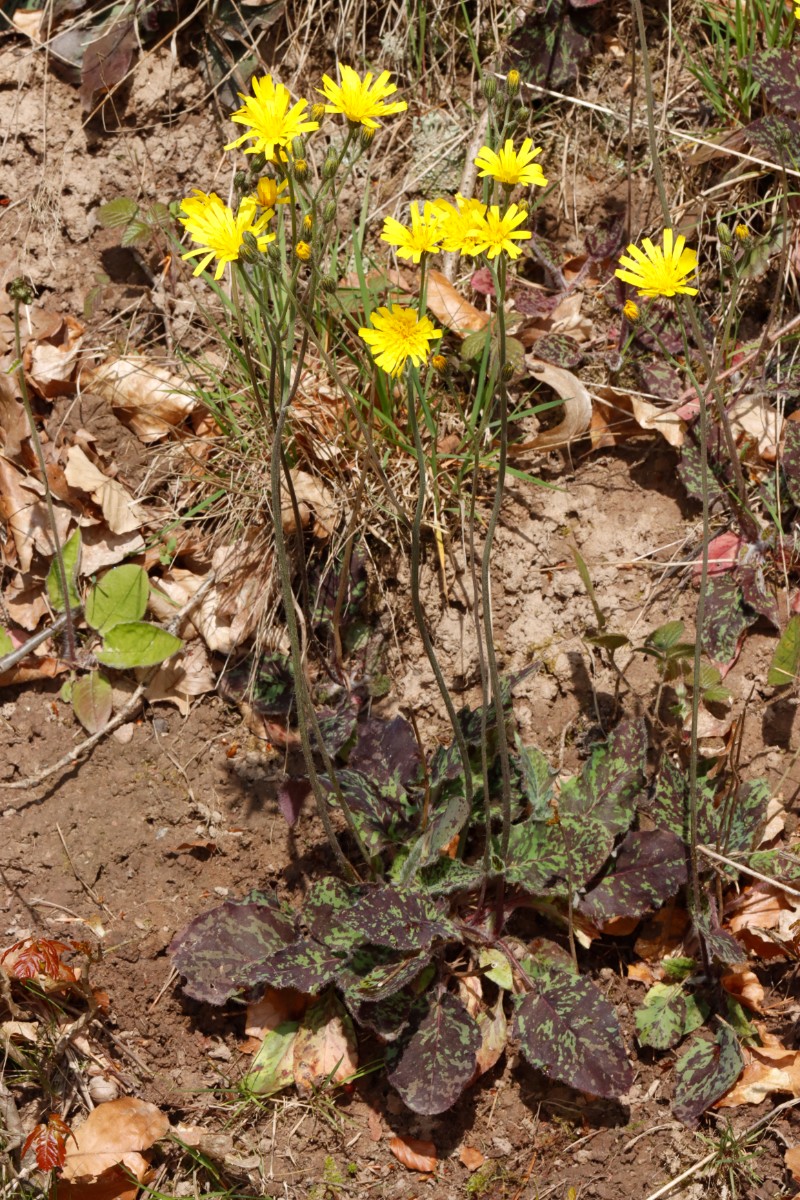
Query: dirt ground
144 835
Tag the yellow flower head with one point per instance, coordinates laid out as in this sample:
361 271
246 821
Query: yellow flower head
493 233
398 334
742 233
360 100
511 166
457 221
424 236
797 12
654 271
272 123
219 232
631 310
268 192
303 251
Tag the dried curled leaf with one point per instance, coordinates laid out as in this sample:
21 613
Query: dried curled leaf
115 1132
147 397
577 407
415 1154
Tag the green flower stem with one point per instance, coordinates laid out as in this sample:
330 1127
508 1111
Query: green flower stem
69 624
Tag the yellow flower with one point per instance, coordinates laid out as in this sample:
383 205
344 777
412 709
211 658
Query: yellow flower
398 334
457 222
657 272
797 12
742 233
424 236
493 233
439 363
272 123
268 192
631 310
360 100
511 166
219 231
303 251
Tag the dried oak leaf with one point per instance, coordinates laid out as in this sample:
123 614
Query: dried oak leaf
450 307
50 361
471 1158
792 1160
146 396
115 1133
764 920
745 986
577 407
115 501
415 1154
767 1069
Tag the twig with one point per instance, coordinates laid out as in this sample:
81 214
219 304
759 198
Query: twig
14 656
121 717
698 1166
730 862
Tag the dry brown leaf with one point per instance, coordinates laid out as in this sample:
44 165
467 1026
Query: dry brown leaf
111 1185
471 1158
662 933
217 1144
231 609
566 317
22 507
38 667
148 397
744 985
325 1047
25 601
13 422
186 675
767 1069
754 419
776 820
450 307
642 972
102 548
375 1125
414 1153
114 1134
28 22
471 993
116 503
620 415
792 1160
50 361
275 1006
313 497
764 920
493 1027
577 407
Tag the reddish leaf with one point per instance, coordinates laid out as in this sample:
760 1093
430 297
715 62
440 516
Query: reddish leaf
37 956
48 1143
414 1154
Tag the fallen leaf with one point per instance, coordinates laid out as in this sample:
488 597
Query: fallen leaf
25 511
471 1158
619 415
767 1069
26 601
776 820
450 307
100 547
744 985
148 397
375 1125
662 933
471 993
325 1049
792 1160
764 920
28 21
115 1133
313 498
50 361
186 675
723 555
244 589
577 407
275 1006
493 1026
116 503
14 429
754 419
115 1184
642 972
415 1154
215 1143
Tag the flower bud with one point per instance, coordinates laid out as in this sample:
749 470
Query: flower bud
303 251
512 83
331 164
308 224
439 363
726 253
249 251
274 252
20 289
328 284
724 233
317 112
507 373
743 234
490 87
298 147
522 115
366 137
631 311
240 181
329 212
300 168
257 163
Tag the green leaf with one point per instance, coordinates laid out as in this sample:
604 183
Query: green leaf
273 1065
678 969
786 659
136 234
442 827
120 596
496 967
137 644
92 701
707 1071
666 636
117 213
586 579
6 644
537 781
660 1019
439 1059
71 556
568 1030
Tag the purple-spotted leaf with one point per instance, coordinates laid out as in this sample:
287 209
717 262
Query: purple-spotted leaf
328 902
92 701
559 348
390 1017
553 46
386 748
440 1058
720 944
337 727
778 72
305 965
443 825
757 595
570 1032
607 237
786 658
776 138
790 458
690 473
221 950
400 919
667 1014
649 867
725 618
707 1071
657 377
381 980
292 795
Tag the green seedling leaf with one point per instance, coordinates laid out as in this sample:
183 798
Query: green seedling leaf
568 1030
136 233
678 969
786 659
273 1065
137 644
220 950
609 641
707 1071
92 701
6 644
496 967
117 213
649 867
666 637
439 1059
119 597
660 1019
778 72
71 556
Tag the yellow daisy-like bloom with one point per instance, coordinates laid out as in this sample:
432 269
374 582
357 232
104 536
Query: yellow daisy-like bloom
303 251
654 271
360 100
219 231
742 233
424 236
268 192
511 166
272 122
398 335
457 222
493 233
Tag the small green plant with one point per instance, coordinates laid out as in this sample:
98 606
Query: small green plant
140 225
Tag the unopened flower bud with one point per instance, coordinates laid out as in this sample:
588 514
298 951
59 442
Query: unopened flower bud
249 251
317 112
329 212
726 253
631 311
490 87
724 233
240 181
512 83
328 284
19 289
366 137
522 115
743 234
507 373
523 206
257 163
331 164
274 252
300 168
303 251
439 363
308 223
298 147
